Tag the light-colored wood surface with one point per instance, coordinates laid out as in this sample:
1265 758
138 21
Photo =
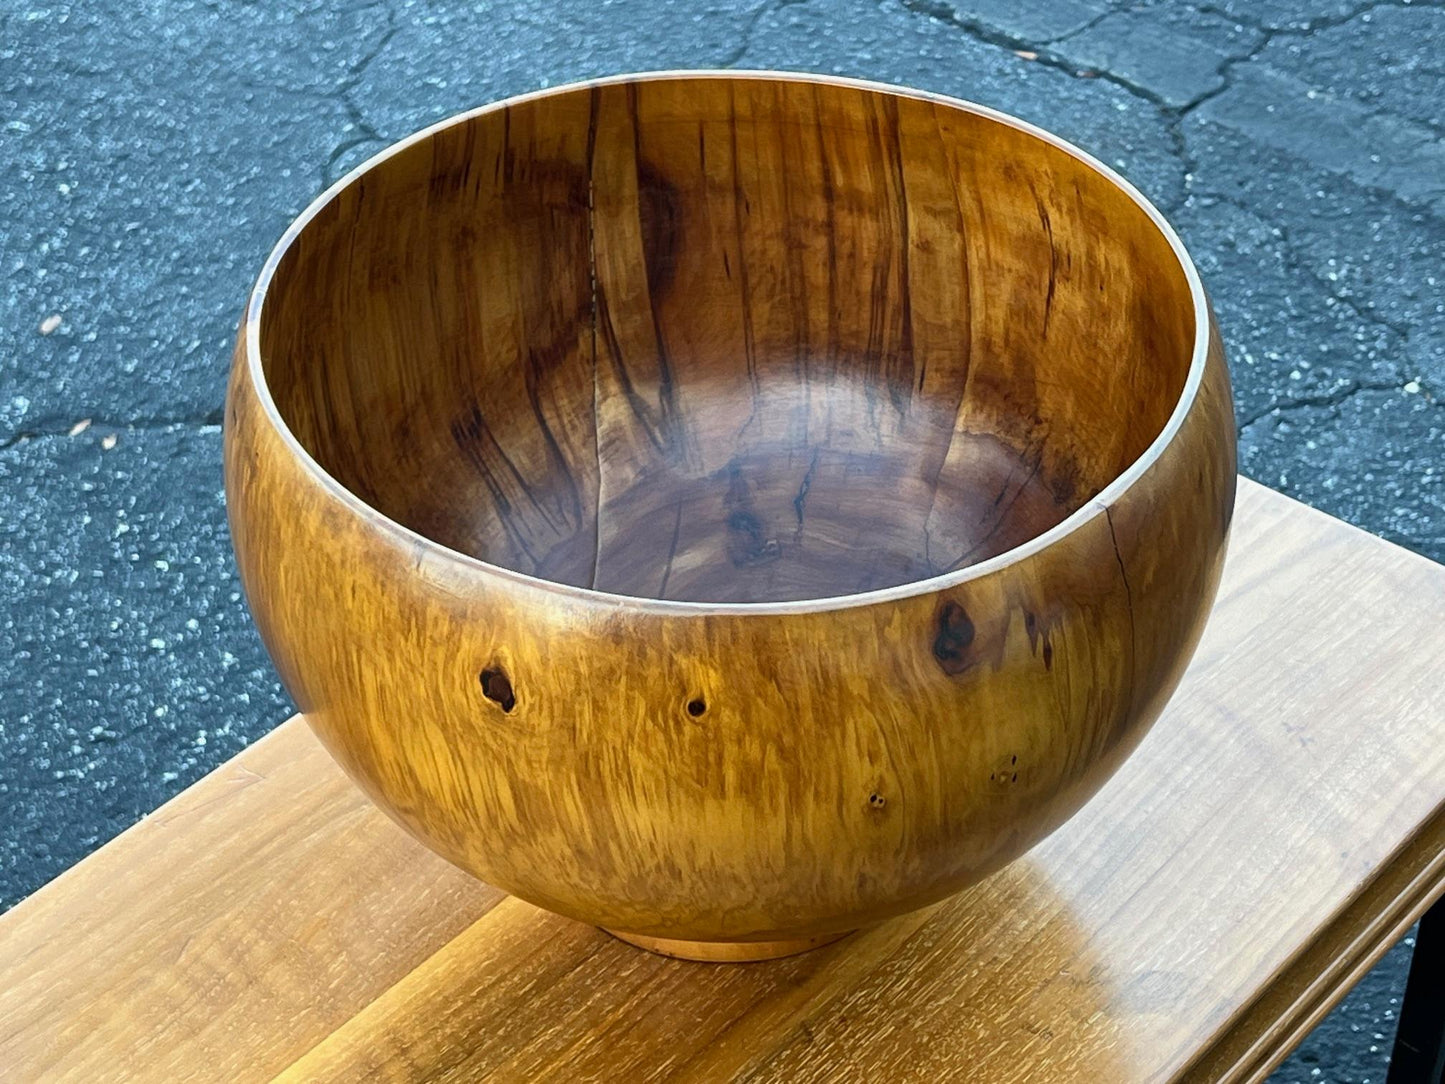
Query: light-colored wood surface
1280 826
852 469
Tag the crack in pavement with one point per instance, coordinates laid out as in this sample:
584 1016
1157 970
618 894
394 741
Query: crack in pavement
1370 316
343 93
761 11
1350 388
1322 22
368 133
988 35
1225 71
1059 39
1295 262
1343 394
1175 117
1042 54
946 14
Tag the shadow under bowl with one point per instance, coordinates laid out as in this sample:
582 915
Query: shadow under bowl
730 508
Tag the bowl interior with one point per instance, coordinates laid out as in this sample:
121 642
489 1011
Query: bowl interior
728 339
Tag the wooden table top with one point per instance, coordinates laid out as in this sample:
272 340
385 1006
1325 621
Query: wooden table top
1282 825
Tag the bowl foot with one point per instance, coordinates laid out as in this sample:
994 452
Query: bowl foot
727 951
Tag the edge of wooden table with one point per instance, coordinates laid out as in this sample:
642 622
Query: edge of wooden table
1266 1031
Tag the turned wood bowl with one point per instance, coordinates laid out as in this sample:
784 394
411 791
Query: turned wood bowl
730 509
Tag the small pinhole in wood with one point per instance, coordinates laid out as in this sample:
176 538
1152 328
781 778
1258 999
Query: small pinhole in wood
497 688
877 801
696 707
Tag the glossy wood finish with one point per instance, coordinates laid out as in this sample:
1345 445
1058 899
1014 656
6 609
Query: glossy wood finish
836 482
1282 825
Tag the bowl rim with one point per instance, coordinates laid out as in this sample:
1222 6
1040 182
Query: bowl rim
425 546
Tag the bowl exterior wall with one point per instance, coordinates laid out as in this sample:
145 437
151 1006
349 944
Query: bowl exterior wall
847 764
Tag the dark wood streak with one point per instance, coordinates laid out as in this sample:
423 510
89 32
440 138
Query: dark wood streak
997 518
671 552
653 424
556 460
906 358
469 436
594 103
964 334
1132 653
658 242
954 637
748 541
828 192
1053 266
800 502
745 297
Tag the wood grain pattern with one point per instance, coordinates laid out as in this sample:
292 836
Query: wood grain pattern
1282 824
232 929
734 385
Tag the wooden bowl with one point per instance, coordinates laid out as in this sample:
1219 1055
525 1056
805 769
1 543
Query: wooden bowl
730 509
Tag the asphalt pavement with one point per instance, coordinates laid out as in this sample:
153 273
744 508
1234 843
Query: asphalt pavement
151 153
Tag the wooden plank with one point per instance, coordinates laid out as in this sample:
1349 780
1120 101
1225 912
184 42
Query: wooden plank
1332 963
226 933
1275 833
